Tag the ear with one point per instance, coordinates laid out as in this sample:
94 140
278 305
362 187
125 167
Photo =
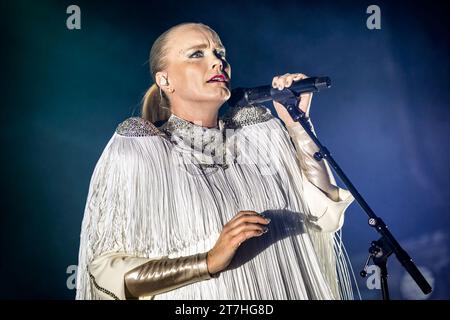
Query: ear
163 82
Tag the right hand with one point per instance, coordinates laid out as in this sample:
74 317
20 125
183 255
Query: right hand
243 226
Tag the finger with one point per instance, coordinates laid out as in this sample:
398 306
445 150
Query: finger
279 81
240 238
286 78
238 215
274 81
246 227
279 84
294 77
237 241
276 84
249 218
300 76
249 213
243 212
289 81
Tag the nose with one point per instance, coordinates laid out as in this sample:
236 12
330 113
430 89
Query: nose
218 63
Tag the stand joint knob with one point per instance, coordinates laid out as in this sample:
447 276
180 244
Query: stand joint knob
318 156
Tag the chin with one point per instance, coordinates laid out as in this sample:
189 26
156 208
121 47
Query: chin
227 94
222 96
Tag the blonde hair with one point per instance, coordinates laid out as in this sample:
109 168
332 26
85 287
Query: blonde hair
155 103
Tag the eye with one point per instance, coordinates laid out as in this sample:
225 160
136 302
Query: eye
221 53
196 54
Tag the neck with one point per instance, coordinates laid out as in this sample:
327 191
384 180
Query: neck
204 115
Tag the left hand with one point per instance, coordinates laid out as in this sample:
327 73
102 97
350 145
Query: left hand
285 81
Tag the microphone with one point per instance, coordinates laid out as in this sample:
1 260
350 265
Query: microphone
241 97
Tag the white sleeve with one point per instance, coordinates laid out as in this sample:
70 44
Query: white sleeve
326 213
326 201
124 276
107 273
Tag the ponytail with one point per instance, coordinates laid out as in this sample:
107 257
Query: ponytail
155 105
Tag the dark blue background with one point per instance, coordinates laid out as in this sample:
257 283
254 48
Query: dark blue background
385 119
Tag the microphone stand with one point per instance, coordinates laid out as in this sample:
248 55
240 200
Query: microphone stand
381 249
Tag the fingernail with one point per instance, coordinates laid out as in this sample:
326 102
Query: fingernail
265 229
268 220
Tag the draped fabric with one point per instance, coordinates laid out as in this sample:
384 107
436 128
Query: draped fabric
168 192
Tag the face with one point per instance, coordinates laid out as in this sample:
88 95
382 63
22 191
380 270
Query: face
194 56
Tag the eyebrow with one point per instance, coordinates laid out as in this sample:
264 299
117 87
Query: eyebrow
201 46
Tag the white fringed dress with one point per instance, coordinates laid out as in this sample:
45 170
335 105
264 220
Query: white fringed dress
168 191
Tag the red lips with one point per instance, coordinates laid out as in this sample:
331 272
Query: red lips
219 78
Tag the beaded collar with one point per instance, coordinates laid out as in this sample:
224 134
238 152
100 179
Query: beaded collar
205 145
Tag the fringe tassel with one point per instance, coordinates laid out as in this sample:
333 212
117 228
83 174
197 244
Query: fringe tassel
147 201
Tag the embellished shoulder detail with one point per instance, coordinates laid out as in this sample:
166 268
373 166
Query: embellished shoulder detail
239 117
138 127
